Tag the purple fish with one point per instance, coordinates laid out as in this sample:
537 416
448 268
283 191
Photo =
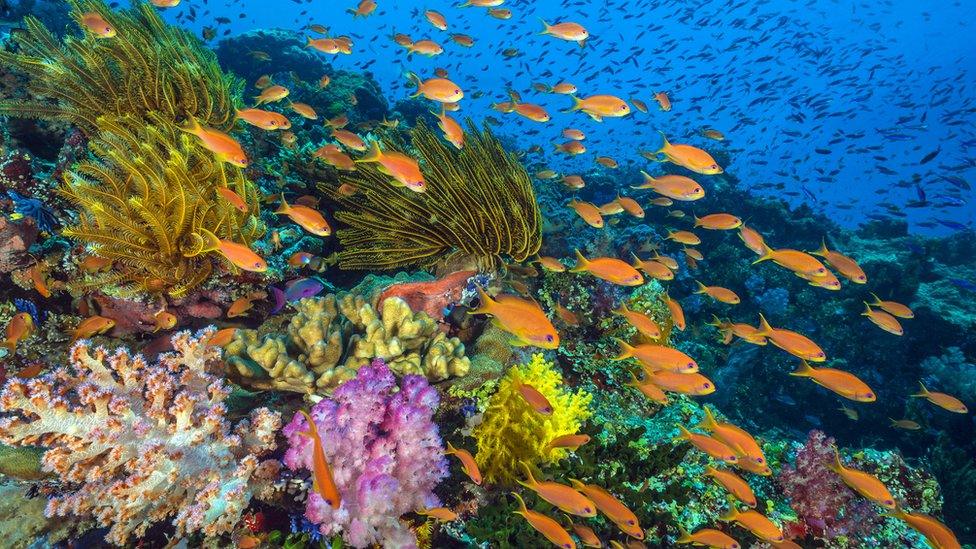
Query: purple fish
301 288
279 299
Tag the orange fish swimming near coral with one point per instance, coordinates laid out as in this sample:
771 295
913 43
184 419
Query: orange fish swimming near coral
322 480
404 169
522 318
224 147
690 157
610 269
467 462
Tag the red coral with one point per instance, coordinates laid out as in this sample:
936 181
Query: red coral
826 506
16 237
430 297
16 173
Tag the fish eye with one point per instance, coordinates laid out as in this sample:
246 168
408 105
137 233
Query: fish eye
587 510
889 502
630 522
706 385
869 395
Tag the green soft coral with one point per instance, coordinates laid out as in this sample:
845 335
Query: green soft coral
513 431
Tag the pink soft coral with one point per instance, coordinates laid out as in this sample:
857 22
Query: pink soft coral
824 504
385 453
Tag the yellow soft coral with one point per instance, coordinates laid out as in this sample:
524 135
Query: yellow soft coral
512 431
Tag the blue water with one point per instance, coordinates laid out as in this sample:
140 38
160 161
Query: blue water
830 103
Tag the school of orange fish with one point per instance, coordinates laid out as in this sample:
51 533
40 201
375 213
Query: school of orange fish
665 369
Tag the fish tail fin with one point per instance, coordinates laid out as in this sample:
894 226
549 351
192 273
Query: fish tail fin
581 263
210 241
576 484
522 508
922 391
767 253
545 26
415 80
622 309
877 300
665 145
485 302
9 345
684 536
284 208
716 321
764 328
701 288
577 104
634 382
698 222
637 261
803 370
626 351
867 309
373 155
685 434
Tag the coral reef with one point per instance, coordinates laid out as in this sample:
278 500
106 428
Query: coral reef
432 298
16 237
479 206
385 453
513 431
331 337
136 443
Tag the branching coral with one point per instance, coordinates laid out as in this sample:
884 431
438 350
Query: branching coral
512 431
385 452
136 443
331 337
148 67
479 206
147 200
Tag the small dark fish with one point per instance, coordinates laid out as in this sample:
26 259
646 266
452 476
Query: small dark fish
928 158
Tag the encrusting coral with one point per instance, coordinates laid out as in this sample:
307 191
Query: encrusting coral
513 431
149 199
329 338
147 67
479 206
135 443
385 453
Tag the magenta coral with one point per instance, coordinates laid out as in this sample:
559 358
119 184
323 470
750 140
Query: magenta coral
385 452
136 443
826 506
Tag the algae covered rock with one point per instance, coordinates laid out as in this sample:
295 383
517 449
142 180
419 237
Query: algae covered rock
329 338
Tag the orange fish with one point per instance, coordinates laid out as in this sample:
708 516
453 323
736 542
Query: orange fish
843 383
573 32
532 112
19 328
93 264
942 400
442 514
333 156
238 254
324 81
427 48
402 168
690 157
718 222
607 162
599 107
693 253
893 308
331 46
573 181
587 535
713 134
271 94
676 187
608 268
905 424
564 88
536 400
451 129
224 147
738 439
467 463
718 293
562 496
663 101
441 90
714 448
568 441
638 104
657 357
662 201
844 265
322 479
863 483
753 240
617 512
436 19
240 307
742 331
734 484
551 264
640 321
571 148
611 208
653 268
349 139
567 316
883 320
364 9
677 313
937 534
266 120
588 212
233 198
574 134
463 40
686 384
545 526
708 537
630 206
794 260
521 318
221 337
482 3
304 110
796 344
307 218
684 237
760 526
93 325
97 25
37 279
164 321
828 281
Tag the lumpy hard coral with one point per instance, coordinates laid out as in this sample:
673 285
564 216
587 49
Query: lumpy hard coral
513 431
134 443
385 453
330 338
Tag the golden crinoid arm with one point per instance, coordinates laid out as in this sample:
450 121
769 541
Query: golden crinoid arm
148 67
478 207
143 197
